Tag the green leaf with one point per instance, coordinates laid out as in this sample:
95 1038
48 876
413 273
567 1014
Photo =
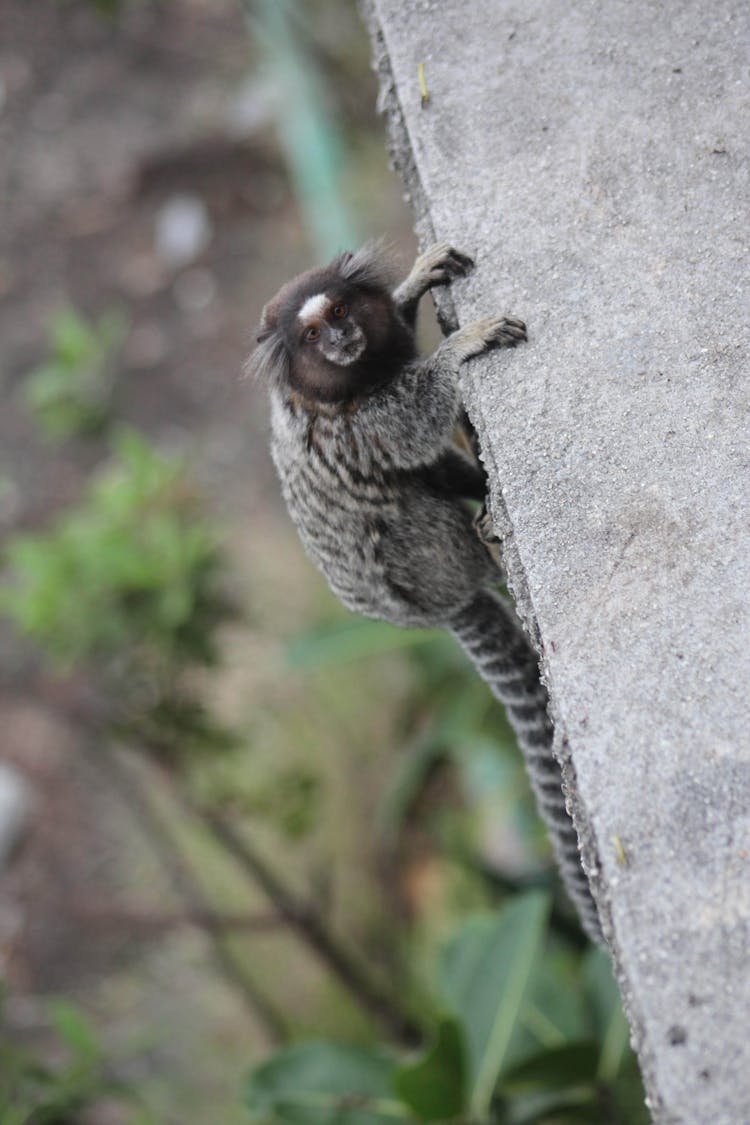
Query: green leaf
485 974
572 1065
75 1031
326 646
554 1014
617 1068
627 1094
74 339
70 393
611 1025
435 1086
324 1084
573 1106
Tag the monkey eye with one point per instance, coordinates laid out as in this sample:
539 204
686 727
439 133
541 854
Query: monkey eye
312 334
340 310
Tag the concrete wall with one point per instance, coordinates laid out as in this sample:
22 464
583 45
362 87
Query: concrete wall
593 158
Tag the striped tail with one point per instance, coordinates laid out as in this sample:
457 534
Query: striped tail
501 653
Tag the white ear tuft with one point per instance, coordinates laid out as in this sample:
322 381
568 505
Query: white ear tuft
270 360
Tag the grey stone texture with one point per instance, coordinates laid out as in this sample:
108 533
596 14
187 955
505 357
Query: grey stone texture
593 157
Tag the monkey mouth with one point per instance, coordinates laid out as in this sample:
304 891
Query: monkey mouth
346 352
351 352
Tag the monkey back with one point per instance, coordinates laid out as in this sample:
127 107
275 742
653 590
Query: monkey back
389 545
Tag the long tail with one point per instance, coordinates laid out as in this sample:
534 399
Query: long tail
501 653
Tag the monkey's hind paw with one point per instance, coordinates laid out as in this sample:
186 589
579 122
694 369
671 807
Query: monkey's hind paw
490 540
483 526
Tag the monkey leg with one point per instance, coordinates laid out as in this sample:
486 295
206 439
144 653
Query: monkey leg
483 526
456 475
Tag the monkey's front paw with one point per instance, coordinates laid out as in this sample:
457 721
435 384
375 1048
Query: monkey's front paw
489 332
441 264
502 331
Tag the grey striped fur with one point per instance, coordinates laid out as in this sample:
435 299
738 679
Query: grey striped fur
375 485
489 632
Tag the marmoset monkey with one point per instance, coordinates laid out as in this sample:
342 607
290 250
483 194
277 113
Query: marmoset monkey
363 442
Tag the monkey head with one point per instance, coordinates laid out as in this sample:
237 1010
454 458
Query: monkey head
330 323
333 334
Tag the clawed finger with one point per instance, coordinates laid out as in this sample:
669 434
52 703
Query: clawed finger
459 263
506 331
516 331
445 261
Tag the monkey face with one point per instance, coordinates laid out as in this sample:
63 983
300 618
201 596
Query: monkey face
328 324
342 341
332 334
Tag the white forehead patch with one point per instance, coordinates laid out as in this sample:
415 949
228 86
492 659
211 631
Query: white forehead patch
313 306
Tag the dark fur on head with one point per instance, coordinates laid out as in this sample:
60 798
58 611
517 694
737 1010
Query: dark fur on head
371 267
363 281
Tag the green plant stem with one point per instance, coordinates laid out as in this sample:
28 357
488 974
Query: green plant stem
307 131
308 924
124 781
146 921
301 917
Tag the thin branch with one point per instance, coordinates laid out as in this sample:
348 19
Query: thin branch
309 925
187 886
147 921
382 1003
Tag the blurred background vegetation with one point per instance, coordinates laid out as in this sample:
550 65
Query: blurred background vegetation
259 860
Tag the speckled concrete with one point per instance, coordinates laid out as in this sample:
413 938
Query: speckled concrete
593 157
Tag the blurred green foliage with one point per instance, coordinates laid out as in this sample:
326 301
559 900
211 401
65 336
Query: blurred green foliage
522 1036
109 8
129 585
132 574
524 1016
448 720
34 1092
525 1026
71 392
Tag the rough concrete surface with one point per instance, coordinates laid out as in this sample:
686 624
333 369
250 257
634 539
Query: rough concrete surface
593 157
